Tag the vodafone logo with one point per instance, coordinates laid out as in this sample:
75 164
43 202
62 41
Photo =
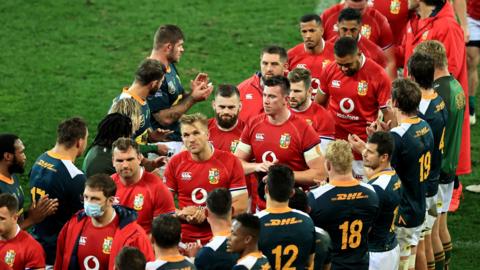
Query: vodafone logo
199 196
315 84
347 105
269 156
91 263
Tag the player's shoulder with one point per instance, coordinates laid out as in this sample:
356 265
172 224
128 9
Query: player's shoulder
249 82
255 121
335 9
320 191
224 156
296 50
70 170
212 123
373 70
382 180
180 156
366 187
376 15
215 243
151 179
400 130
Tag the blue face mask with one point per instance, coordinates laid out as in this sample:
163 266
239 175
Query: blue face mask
93 209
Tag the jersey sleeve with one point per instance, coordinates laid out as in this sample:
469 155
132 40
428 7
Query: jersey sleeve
169 177
164 201
385 32
35 257
237 180
324 80
397 149
245 143
311 144
384 90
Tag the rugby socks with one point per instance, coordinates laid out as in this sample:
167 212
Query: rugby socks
447 247
471 104
439 261
431 265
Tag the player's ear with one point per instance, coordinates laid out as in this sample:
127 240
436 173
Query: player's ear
207 212
232 211
152 240
213 104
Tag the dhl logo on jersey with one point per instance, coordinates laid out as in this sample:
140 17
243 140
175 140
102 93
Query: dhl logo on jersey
421 132
397 185
350 196
440 106
46 165
283 221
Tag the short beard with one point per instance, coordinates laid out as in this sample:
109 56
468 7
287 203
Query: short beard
226 124
16 168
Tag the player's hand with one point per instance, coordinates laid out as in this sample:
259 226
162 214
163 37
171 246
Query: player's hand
356 143
198 217
263 167
186 212
192 250
162 149
159 135
201 88
152 164
466 33
42 208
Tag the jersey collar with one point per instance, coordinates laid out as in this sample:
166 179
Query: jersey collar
7 180
348 183
388 171
411 120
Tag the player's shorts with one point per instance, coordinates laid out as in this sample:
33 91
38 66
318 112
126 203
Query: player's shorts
359 171
388 260
474 28
408 237
444 197
432 212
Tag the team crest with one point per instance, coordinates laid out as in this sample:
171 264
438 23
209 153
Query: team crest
138 202
366 31
395 6
425 35
309 121
233 145
10 257
284 140
362 88
107 245
213 176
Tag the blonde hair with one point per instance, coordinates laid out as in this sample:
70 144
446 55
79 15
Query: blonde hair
131 108
339 154
436 50
190 119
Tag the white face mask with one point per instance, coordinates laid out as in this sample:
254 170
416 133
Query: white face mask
93 209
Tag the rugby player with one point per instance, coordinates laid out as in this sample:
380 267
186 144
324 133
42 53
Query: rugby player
93 237
473 56
279 136
166 231
345 207
273 62
313 53
130 258
137 188
243 240
171 101
19 250
287 236
301 104
191 174
452 93
433 110
214 255
365 91
383 247
54 173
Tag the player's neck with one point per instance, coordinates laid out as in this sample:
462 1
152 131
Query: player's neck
220 227
11 234
249 249
305 105
61 150
275 205
317 49
401 116
165 252
427 91
105 219
134 179
4 170
204 155
340 177
382 167
138 90
424 11
439 73
158 55
279 118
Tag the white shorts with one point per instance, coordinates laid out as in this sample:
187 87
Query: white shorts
388 260
359 171
474 28
408 237
431 214
444 197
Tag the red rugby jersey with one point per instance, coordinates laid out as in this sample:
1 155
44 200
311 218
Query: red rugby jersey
22 252
192 180
149 197
375 26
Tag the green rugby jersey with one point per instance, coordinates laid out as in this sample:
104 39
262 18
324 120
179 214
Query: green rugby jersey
452 94
411 159
346 210
12 186
214 255
432 109
253 261
169 94
287 237
387 186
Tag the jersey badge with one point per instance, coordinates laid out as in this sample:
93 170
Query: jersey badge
362 88
366 31
285 140
138 202
325 63
10 257
395 6
107 245
309 121
425 35
213 176
233 145
186 176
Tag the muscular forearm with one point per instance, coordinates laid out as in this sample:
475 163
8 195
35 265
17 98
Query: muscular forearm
248 167
240 204
391 67
306 177
169 116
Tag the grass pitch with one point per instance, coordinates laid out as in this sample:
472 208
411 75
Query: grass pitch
66 58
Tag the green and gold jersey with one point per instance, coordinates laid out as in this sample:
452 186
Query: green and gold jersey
171 263
411 159
12 186
433 110
387 186
287 237
253 261
346 210
452 94
323 249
